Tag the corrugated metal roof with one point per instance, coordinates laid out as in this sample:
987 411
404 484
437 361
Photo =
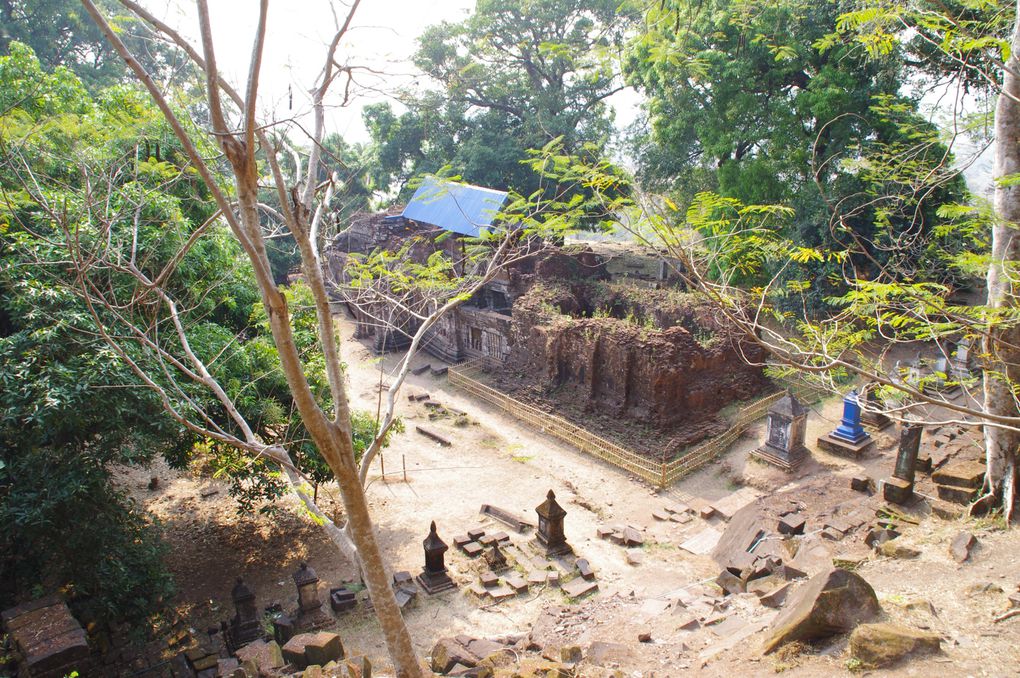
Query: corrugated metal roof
460 208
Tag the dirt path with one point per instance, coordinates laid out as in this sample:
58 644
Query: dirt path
497 460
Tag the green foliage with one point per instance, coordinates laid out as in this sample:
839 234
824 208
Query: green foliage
758 103
61 33
513 76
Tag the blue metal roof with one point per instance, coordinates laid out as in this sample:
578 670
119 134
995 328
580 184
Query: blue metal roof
460 208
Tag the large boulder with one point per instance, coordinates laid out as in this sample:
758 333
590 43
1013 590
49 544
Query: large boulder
265 656
448 652
831 602
876 645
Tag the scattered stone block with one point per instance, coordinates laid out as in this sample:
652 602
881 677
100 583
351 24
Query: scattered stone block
489 579
682 518
570 654
689 624
323 648
829 603
897 490
894 549
266 656
660 515
432 435
703 542
776 597
962 474
536 577
956 495
501 592
553 578
402 578
405 595
447 653
729 582
728 506
517 523
945 510
791 524
462 540
517 583
961 546
602 653
645 637
50 640
604 532
501 537
831 534
584 568
342 599
875 538
476 534
225 667
862 484
879 645
313 648
632 537
923 464
677 508
473 549
487 540
635 557
706 512
578 587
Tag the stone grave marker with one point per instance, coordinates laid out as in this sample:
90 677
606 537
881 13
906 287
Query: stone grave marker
434 578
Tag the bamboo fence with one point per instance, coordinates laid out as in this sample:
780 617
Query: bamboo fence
662 474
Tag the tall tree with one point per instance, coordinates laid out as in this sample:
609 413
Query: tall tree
750 100
146 314
61 34
512 77
721 240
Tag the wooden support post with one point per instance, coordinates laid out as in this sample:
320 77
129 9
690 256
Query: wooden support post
403 460
382 467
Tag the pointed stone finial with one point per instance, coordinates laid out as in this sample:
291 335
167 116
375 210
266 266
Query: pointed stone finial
551 495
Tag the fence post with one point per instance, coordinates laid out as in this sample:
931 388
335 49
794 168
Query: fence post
662 484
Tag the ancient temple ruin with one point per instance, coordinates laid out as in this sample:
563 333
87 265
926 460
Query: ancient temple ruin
606 327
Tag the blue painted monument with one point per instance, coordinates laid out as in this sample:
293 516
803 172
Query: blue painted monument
850 438
850 428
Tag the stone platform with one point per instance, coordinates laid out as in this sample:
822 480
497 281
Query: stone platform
783 461
845 448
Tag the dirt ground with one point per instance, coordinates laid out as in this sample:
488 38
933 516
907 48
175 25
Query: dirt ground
499 461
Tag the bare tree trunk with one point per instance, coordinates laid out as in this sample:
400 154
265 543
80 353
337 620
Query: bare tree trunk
1002 345
362 531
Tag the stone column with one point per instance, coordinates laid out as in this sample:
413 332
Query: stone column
900 487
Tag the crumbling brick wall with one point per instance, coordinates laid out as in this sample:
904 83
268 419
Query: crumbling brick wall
657 356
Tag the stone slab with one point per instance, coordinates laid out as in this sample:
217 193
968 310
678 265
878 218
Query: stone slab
577 587
703 542
536 577
502 592
726 507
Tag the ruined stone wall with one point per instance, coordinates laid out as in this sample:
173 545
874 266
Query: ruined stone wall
628 366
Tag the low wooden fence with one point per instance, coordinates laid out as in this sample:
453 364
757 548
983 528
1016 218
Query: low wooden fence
662 474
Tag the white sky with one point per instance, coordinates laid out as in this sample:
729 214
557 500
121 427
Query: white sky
383 38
